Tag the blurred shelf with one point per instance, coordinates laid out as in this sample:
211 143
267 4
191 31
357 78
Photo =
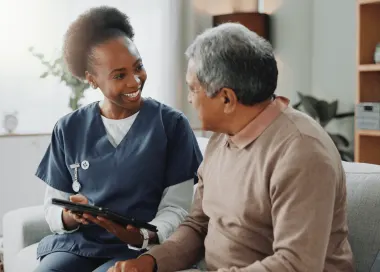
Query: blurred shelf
23 135
369 67
374 133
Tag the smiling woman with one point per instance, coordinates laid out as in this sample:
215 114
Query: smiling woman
133 155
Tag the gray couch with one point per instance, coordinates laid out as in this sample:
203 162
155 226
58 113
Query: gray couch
24 228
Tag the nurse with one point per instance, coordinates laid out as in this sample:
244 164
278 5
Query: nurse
133 155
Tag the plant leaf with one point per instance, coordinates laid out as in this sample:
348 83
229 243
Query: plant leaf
322 108
296 106
44 75
333 109
309 104
346 156
339 140
326 111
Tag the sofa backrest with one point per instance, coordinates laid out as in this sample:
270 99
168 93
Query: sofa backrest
363 207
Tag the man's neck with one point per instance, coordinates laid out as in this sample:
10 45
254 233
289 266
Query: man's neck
243 116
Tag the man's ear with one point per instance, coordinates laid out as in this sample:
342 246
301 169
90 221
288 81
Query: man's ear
229 99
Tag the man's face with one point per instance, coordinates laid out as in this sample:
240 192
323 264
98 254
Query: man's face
210 110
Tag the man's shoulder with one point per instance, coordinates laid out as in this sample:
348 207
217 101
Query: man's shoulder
296 136
295 126
302 123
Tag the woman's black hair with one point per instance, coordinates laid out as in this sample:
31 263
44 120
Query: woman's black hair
91 28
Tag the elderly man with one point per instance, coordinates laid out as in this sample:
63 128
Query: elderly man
272 193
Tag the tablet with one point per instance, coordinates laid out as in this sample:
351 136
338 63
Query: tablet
103 212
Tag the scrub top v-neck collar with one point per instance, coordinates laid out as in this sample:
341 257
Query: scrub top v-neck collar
104 143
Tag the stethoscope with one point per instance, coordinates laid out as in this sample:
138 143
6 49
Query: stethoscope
76 184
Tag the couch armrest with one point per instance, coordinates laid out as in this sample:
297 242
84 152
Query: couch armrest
21 228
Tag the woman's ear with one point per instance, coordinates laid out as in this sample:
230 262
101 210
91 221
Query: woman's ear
91 80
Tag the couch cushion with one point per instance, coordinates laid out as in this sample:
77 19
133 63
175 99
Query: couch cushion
361 168
25 260
363 197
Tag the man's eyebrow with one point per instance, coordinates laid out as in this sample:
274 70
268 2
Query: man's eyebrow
137 61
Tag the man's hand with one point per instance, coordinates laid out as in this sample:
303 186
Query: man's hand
144 263
129 235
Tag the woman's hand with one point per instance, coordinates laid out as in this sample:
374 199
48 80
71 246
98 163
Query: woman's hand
129 235
71 220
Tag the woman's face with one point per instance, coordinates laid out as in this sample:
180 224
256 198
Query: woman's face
119 73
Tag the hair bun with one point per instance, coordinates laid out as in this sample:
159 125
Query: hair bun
90 28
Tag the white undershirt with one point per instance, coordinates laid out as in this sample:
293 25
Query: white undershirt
174 206
117 129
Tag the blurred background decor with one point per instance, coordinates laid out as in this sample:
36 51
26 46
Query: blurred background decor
10 122
377 53
324 112
57 68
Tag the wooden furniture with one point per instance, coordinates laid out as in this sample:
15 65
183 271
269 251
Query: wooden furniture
255 21
367 142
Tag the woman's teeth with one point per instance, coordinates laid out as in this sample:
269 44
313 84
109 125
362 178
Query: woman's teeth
135 94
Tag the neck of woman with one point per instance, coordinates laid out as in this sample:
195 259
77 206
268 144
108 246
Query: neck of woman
112 111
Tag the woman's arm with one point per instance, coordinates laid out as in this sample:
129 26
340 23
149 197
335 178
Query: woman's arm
174 207
55 216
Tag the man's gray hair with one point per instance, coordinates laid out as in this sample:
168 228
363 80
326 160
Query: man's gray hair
232 56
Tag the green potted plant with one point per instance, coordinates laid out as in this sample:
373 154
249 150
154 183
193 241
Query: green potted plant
324 112
57 68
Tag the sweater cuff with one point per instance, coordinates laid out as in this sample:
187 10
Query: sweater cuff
162 257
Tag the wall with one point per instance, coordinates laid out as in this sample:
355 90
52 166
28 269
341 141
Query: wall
291 30
333 67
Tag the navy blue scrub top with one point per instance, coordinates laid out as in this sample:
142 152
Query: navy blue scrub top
159 150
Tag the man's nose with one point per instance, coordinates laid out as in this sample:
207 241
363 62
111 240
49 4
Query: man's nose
189 98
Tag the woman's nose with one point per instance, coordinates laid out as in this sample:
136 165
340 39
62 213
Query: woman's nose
134 81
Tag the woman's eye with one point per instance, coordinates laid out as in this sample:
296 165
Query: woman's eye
119 76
